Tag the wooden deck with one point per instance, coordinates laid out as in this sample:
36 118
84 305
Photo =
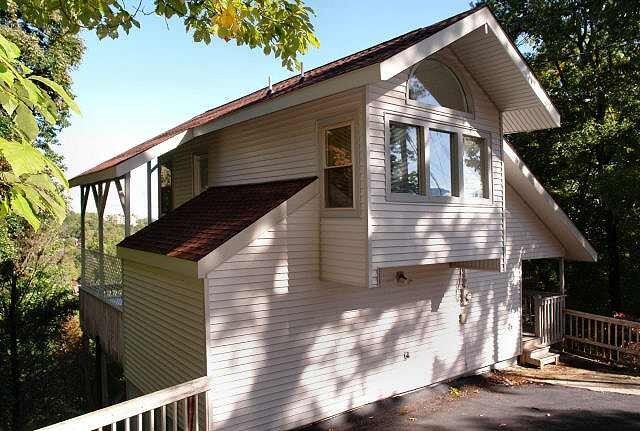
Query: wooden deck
101 316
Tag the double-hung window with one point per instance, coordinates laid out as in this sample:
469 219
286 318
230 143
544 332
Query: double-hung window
200 173
428 161
338 166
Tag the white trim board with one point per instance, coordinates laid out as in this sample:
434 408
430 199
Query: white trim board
200 268
541 112
445 37
533 193
130 164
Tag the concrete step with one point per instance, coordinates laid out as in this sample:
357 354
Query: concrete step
539 359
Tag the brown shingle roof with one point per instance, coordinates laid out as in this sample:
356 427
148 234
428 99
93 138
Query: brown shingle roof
207 221
364 58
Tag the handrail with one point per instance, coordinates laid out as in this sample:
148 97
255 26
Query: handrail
603 338
147 404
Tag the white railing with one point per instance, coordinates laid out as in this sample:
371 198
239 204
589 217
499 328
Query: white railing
180 407
102 273
604 338
545 312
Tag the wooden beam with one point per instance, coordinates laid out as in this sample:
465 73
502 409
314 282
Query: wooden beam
561 275
124 194
149 220
84 198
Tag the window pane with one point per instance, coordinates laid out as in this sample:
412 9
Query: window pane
441 162
339 146
433 83
403 152
474 157
339 187
166 194
204 172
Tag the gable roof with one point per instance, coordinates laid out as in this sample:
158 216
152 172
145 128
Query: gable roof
519 176
388 57
203 224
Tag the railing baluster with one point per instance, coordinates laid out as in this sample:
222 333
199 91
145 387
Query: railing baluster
152 419
163 418
185 415
195 414
127 424
175 415
140 422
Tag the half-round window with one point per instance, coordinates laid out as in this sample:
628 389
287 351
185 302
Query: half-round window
433 83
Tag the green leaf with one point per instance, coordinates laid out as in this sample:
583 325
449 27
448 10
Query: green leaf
20 206
57 88
10 49
9 102
26 122
23 158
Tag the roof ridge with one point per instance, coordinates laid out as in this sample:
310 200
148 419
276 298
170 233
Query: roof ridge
340 66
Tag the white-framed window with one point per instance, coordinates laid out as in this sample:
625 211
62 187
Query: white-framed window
429 161
339 166
165 187
200 173
433 84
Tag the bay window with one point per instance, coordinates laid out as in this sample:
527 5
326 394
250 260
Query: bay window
434 162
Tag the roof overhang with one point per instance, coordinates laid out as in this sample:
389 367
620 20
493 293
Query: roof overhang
477 39
495 64
128 165
529 188
200 268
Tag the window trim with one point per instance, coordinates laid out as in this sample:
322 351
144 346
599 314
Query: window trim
470 114
195 169
168 163
423 168
333 123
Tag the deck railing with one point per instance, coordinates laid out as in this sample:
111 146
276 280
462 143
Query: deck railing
102 273
542 314
175 408
607 339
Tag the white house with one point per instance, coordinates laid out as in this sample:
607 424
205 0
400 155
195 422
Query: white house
347 234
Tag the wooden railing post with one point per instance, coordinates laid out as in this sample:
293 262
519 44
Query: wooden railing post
537 310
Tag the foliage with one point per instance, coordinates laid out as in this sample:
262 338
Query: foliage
30 182
37 312
586 53
281 27
51 53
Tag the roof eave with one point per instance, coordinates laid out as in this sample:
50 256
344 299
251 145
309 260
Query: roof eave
128 165
545 116
252 232
522 179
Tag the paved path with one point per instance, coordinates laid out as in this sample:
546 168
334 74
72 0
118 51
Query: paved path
486 405
594 380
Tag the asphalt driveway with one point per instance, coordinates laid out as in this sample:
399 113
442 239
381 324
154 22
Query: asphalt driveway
490 403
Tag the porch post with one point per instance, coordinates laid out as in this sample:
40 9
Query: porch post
124 195
149 192
84 198
100 193
561 275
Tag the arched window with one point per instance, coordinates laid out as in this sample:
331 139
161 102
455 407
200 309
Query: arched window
433 83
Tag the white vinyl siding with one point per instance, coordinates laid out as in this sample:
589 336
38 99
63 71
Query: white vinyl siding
527 236
284 145
288 349
163 327
414 233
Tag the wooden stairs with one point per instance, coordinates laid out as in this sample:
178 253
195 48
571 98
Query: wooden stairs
536 354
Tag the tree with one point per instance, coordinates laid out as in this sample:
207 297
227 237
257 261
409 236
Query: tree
281 27
586 53
39 339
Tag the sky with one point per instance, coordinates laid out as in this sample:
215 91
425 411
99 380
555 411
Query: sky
139 85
